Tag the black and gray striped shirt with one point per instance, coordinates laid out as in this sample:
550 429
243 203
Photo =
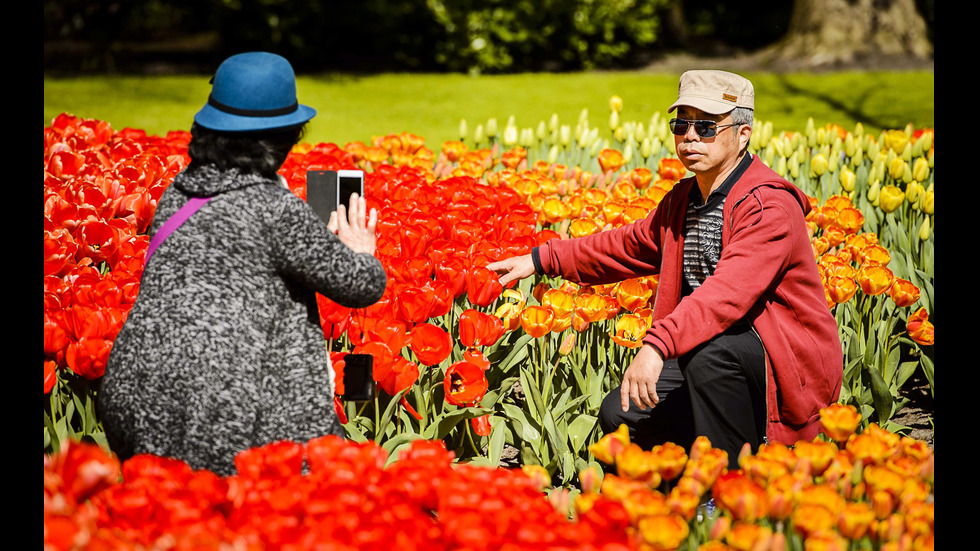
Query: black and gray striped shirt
702 229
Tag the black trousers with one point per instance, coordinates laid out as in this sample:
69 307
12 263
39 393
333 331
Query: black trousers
718 390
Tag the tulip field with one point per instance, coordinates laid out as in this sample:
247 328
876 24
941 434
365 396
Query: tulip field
471 375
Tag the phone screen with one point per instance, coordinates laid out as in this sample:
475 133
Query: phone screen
349 185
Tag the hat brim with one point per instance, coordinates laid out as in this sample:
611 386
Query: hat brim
710 106
215 119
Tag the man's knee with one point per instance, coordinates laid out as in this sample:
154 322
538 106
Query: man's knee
611 414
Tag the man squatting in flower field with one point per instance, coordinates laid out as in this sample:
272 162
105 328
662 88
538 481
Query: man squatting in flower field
740 308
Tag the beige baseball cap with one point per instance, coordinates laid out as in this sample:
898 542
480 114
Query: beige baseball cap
714 92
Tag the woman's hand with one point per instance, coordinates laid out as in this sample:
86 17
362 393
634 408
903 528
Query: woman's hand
355 229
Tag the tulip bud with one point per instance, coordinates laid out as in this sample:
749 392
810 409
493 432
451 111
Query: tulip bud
896 168
463 130
646 148
819 165
849 146
640 133
925 229
492 128
781 167
847 179
553 154
766 132
526 137
628 153
770 156
926 141
619 133
567 345
614 120
920 169
478 134
615 104
541 132
873 192
510 136
810 127
859 130
858 158
583 115
553 122
565 135
794 166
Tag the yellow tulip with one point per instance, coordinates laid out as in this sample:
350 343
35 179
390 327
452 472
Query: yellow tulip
847 179
895 140
615 103
819 164
920 169
891 198
925 229
928 202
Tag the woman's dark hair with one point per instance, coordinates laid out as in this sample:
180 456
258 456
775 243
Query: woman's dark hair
260 152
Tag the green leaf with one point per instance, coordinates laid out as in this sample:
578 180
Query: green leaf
579 430
394 444
881 395
496 446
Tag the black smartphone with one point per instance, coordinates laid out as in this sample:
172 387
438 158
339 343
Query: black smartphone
328 189
358 377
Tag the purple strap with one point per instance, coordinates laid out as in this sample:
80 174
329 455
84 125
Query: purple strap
174 222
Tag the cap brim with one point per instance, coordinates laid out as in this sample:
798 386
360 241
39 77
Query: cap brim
710 106
214 119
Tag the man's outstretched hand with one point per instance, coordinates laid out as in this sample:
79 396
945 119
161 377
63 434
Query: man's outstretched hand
513 269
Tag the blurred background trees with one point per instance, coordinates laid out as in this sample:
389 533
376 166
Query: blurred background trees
476 36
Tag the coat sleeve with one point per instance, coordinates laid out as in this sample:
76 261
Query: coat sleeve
306 251
767 227
633 250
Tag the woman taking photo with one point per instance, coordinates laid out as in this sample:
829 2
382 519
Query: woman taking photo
223 350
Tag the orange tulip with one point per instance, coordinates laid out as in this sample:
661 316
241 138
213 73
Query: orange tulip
561 302
663 532
610 160
850 219
875 279
875 254
841 289
630 330
839 421
671 168
743 498
633 294
640 177
855 520
610 445
590 307
637 464
920 329
811 519
554 210
747 535
671 460
510 314
903 292
818 455
537 320
580 227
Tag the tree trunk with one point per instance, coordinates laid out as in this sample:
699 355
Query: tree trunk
825 33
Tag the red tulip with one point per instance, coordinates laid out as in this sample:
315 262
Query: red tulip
482 286
50 375
481 425
479 329
430 344
465 384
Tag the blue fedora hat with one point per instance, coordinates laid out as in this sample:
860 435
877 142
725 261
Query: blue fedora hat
253 91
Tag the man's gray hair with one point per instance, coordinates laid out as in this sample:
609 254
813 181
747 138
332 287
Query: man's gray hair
743 116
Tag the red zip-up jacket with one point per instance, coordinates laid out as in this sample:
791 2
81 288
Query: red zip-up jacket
767 274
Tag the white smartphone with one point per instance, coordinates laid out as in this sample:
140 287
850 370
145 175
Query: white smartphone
328 189
348 183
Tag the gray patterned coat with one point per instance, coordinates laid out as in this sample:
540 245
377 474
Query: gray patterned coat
223 349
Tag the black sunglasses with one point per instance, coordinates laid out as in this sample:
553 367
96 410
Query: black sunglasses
705 129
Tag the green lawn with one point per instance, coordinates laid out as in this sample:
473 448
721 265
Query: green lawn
358 107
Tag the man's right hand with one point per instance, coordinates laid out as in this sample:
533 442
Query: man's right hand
513 269
640 379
